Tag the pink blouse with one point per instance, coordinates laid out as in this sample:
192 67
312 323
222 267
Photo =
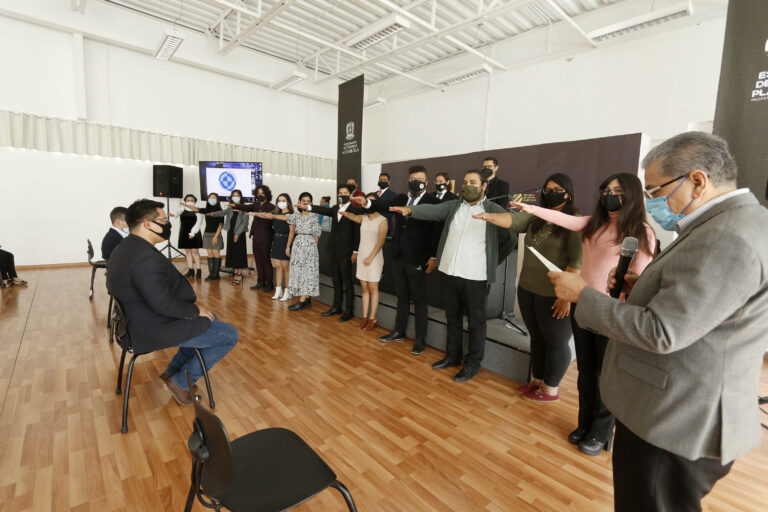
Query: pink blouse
601 253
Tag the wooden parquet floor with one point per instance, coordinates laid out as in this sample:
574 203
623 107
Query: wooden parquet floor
403 437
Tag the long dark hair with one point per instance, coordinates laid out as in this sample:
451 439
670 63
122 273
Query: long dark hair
566 182
631 221
287 199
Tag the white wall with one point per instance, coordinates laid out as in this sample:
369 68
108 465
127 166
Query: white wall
654 85
74 195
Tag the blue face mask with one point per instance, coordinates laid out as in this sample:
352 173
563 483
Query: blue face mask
659 210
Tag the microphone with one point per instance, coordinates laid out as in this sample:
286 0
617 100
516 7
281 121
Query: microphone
629 248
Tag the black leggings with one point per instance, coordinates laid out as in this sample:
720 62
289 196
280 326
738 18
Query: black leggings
7 267
550 353
590 349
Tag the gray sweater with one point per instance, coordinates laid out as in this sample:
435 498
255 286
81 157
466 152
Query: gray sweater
445 212
241 226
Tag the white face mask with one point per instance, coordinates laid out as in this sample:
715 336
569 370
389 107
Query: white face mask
282 205
191 203
212 201
235 199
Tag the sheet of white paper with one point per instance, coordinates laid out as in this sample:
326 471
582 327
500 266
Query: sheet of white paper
551 266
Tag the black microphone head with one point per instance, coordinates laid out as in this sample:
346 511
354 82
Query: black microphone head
629 246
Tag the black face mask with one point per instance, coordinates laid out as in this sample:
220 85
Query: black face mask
165 234
343 199
261 198
440 187
613 202
416 186
553 199
383 184
351 187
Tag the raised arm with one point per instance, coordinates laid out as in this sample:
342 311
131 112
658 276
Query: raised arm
433 212
351 216
569 222
502 220
320 210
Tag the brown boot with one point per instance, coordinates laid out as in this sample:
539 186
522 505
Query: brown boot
363 323
182 396
371 324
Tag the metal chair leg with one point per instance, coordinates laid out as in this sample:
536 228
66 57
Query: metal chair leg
120 374
347 495
205 376
93 275
109 312
124 428
190 497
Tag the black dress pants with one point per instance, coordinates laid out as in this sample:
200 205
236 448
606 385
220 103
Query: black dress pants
470 296
647 478
262 261
343 281
7 266
594 416
410 284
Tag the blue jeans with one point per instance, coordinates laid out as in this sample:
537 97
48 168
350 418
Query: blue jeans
214 344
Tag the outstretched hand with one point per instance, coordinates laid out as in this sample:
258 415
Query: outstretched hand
527 208
359 200
301 206
402 210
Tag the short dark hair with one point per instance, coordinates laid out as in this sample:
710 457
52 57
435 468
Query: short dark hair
118 212
492 159
480 174
444 175
327 199
385 174
141 210
343 186
265 189
416 168
353 179
372 195
306 194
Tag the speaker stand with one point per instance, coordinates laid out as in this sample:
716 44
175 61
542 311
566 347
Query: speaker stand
168 245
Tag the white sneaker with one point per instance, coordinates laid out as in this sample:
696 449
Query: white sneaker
286 296
278 292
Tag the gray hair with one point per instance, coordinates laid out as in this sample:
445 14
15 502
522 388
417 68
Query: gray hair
690 151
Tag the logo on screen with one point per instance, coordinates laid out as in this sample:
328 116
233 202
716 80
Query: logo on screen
350 130
227 181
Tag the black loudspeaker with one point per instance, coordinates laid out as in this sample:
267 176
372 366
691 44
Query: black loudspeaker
167 181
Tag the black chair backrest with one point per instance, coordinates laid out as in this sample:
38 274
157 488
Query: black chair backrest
217 473
121 326
90 250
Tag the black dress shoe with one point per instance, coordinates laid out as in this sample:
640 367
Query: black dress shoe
198 274
392 336
418 346
190 273
465 374
345 317
577 435
299 306
331 312
445 363
591 445
257 286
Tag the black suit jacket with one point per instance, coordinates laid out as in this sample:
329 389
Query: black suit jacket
449 196
345 235
108 244
158 302
413 241
388 195
498 187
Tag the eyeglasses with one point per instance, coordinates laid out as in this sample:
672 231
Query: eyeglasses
612 191
556 190
650 192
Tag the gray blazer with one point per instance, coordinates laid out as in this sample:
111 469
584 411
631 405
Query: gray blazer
683 366
241 226
444 212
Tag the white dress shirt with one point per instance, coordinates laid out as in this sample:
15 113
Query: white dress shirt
122 233
342 208
464 251
441 194
381 192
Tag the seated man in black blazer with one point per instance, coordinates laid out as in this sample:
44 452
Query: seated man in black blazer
159 303
442 187
414 248
116 233
345 238
498 189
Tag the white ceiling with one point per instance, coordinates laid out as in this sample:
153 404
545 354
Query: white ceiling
442 33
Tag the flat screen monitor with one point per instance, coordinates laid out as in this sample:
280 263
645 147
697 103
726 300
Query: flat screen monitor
224 177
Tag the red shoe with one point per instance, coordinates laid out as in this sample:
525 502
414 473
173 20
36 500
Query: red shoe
540 396
527 388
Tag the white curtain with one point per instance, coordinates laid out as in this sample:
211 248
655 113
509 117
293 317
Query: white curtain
58 135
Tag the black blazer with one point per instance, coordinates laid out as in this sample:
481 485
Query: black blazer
498 187
389 195
413 241
158 302
108 244
449 196
345 235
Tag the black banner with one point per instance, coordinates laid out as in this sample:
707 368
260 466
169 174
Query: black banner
350 132
741 116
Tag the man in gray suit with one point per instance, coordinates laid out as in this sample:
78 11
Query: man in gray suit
681 372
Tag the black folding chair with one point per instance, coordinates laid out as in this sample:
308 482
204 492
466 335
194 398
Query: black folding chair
120 326
269 470
95 265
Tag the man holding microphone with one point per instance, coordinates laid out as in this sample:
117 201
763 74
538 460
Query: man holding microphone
681 371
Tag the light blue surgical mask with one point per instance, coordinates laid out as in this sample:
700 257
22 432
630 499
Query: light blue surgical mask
235 199
659 210
212 201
